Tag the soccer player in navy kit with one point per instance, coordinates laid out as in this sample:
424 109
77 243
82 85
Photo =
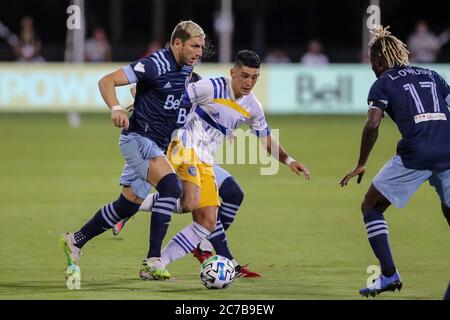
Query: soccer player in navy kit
416 99
161 81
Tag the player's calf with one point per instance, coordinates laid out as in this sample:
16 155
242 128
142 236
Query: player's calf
169 189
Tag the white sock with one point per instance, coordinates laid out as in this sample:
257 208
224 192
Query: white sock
147 204
149 201
183 242
205 245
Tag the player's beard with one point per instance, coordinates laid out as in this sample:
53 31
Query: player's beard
185 60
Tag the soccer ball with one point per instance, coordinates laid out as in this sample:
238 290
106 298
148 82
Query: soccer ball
217 272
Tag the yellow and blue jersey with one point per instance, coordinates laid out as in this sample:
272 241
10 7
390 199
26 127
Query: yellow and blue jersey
216 113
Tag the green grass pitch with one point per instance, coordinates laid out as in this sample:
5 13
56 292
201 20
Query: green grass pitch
306 238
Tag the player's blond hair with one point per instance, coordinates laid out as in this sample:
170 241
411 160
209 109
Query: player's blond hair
384 44
186 30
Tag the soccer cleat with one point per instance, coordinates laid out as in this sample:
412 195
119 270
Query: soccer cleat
153 269
382 284
70 250
118 227
243 272
201 255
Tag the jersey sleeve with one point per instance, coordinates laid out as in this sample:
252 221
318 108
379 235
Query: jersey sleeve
199 92
257 120
443 87
144 69
378 97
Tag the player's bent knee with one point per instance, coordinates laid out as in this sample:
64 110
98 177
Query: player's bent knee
367 207
374 200
129 194
189 203
169 186
230 189
208 225
206 217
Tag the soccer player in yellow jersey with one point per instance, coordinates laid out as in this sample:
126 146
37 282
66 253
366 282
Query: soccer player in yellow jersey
219 106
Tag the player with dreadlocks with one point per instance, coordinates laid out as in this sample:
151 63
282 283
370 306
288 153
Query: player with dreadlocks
416 99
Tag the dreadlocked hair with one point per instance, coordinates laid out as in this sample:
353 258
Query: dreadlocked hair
384 44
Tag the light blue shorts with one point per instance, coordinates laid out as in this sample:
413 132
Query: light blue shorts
398 183
137 150
221 174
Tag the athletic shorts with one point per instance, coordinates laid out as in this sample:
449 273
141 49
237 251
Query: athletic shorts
190 168
221 174
137 150
398 183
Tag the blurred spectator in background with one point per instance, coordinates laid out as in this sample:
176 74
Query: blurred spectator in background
423 45
97 48
152 47
314 56
29 46
277 56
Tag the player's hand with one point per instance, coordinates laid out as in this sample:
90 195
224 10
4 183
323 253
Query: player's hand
298 168
358 171
120 119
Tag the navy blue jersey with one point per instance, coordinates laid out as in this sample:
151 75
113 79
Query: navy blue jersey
417 100
160 87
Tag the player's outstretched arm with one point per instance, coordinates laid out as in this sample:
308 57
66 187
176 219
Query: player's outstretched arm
368 139
107 86
278 152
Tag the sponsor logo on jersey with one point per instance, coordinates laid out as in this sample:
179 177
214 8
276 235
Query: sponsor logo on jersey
167 85
216 115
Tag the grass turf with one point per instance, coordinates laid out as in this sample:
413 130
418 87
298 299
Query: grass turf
306 238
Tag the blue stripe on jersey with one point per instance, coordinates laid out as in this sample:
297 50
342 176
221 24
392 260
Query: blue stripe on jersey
186 100
220 87
157 65
261 133
163 60
224 87
129 72
215 88
207 118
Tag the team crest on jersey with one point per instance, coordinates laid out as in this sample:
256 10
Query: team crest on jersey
192 171
139 67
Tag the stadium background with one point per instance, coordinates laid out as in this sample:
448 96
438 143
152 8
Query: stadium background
306 238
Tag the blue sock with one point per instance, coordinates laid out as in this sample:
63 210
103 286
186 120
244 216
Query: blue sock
105 219
232 197
169 189
220 242
377 232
